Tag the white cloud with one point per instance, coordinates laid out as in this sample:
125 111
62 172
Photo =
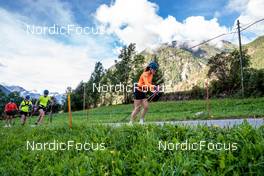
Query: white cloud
40 62
48 11
137 21
250 11
2 65
237 5
199 29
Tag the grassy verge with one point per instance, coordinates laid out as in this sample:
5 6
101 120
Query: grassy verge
132 151
177 110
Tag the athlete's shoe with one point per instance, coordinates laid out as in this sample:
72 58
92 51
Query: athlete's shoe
130 123
141 122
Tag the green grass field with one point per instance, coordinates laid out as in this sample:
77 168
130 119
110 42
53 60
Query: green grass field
135 150
132 150
176 110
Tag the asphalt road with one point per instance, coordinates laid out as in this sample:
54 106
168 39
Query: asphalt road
255 122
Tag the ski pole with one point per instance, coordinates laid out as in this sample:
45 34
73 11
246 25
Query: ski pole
155 93
149 98
14 119
51 113
31 114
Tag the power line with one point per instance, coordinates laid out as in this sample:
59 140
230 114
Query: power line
224 34
218 36
221 35
255 22
242 24
234 31
209 40
233 37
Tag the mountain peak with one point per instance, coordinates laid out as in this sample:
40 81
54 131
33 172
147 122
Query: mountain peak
32 93
15 88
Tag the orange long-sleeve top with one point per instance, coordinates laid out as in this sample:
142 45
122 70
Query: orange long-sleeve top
145 81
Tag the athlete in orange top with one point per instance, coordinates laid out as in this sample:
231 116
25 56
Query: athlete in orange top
145 82
143 86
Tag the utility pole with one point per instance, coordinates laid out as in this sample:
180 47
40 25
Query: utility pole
85 111
84 97
207 98
240 57
69 106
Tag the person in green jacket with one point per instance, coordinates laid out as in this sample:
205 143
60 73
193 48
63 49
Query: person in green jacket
25 108
42 104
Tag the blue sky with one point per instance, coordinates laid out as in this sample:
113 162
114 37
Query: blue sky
181 9
69 59
83 11
207 8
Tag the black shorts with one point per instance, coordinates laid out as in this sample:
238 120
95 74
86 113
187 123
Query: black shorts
43 108
24 113
138 95
11 113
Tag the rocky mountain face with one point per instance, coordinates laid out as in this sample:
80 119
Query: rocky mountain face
183 67
256 51
4 90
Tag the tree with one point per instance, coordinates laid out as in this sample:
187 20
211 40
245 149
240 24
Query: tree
254 82
124 67
158 78
92 94
16 97
110 79
138 66
219 66
3 100
226 68
77 97
95 79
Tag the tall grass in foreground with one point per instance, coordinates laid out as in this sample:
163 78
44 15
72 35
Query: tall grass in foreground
132 151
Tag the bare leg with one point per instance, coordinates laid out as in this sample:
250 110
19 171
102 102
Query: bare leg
7 119
41 116
10 120
23 119
137 106
145 108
